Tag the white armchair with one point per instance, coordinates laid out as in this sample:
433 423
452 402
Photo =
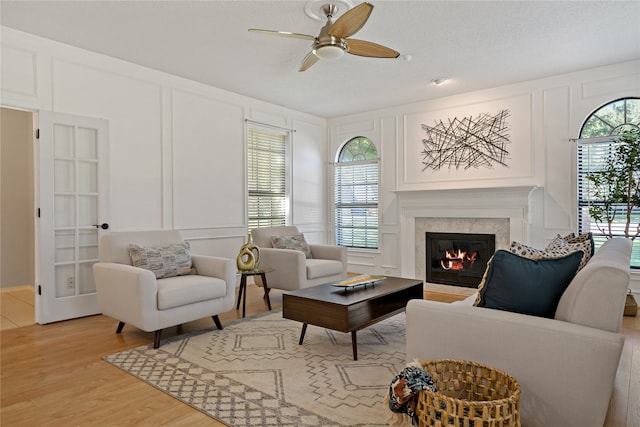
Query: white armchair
292 269
135 296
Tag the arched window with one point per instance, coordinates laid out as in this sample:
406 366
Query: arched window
598 139
356 194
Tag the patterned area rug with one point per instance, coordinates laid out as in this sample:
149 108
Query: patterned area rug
254 373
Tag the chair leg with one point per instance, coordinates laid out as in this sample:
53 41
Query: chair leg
156 341
216 320
120 326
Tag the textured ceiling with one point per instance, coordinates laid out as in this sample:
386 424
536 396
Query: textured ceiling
477 44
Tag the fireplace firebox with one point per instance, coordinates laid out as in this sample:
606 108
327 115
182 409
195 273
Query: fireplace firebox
458 259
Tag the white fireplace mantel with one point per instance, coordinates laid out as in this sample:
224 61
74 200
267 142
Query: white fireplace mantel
522 206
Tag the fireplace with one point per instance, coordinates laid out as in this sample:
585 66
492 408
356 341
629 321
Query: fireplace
458 258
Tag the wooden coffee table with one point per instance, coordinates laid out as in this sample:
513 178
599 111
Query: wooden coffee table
349 310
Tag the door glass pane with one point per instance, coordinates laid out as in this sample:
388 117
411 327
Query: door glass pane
63 141
87 210
65 211
87 144
88 245
65 245
65 281
64 176
87 177
85 272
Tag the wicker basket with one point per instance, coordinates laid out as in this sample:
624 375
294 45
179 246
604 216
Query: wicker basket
469 395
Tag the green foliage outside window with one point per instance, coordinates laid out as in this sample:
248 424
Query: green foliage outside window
609 174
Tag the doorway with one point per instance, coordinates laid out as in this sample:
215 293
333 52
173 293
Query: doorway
17 218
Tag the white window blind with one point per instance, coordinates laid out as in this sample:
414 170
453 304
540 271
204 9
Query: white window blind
592 155
267 178
356 203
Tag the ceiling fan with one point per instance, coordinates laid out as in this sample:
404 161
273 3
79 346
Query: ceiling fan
333 40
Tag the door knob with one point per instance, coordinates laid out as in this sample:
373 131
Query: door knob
104 226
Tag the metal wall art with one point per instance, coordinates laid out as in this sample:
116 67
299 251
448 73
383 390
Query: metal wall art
470 142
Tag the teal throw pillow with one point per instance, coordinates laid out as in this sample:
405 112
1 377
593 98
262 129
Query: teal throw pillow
527 286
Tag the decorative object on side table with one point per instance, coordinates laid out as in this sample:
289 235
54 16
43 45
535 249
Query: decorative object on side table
249 257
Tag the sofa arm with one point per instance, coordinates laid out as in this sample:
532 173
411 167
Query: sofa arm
289 268
565 371
222 268
338 253
126 293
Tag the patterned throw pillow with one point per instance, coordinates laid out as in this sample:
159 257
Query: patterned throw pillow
559 247
296 242
165 261
571 243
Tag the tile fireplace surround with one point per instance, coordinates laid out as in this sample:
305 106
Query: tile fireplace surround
506 212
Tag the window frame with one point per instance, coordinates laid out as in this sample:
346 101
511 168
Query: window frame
601 144
259 221
365 166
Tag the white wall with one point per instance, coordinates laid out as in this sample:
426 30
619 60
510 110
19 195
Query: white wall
177 150
546 113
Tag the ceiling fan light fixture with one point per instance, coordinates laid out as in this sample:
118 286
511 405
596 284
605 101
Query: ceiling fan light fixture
329 52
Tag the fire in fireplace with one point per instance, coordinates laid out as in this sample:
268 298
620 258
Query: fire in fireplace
458 258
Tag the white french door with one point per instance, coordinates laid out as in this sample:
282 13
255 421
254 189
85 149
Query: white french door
72 202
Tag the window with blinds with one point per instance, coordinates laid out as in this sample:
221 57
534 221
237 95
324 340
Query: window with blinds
267 177
356 194
598 139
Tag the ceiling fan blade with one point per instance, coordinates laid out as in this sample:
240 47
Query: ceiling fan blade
370 49
283 34
351 21
308 61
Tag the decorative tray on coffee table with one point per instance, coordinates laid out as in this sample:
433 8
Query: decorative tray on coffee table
359 281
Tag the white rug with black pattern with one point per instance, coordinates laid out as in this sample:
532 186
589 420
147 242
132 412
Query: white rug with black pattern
254 373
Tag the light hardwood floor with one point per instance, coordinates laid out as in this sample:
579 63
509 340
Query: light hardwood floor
54 375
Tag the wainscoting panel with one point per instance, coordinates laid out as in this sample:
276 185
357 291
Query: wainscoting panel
390 244
362 127
208 162
309 174
268 118
476 168
388 202
19 79
598 88
133 108
559 200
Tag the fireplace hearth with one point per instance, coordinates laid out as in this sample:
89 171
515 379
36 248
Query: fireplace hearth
458 259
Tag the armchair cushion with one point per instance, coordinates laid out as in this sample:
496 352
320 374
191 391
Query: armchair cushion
527 286
177 291
323 267
296 242
165 261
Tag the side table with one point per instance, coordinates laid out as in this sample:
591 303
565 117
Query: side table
242 294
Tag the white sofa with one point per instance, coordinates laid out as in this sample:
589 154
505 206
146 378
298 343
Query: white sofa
134 296
292 270
566 366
